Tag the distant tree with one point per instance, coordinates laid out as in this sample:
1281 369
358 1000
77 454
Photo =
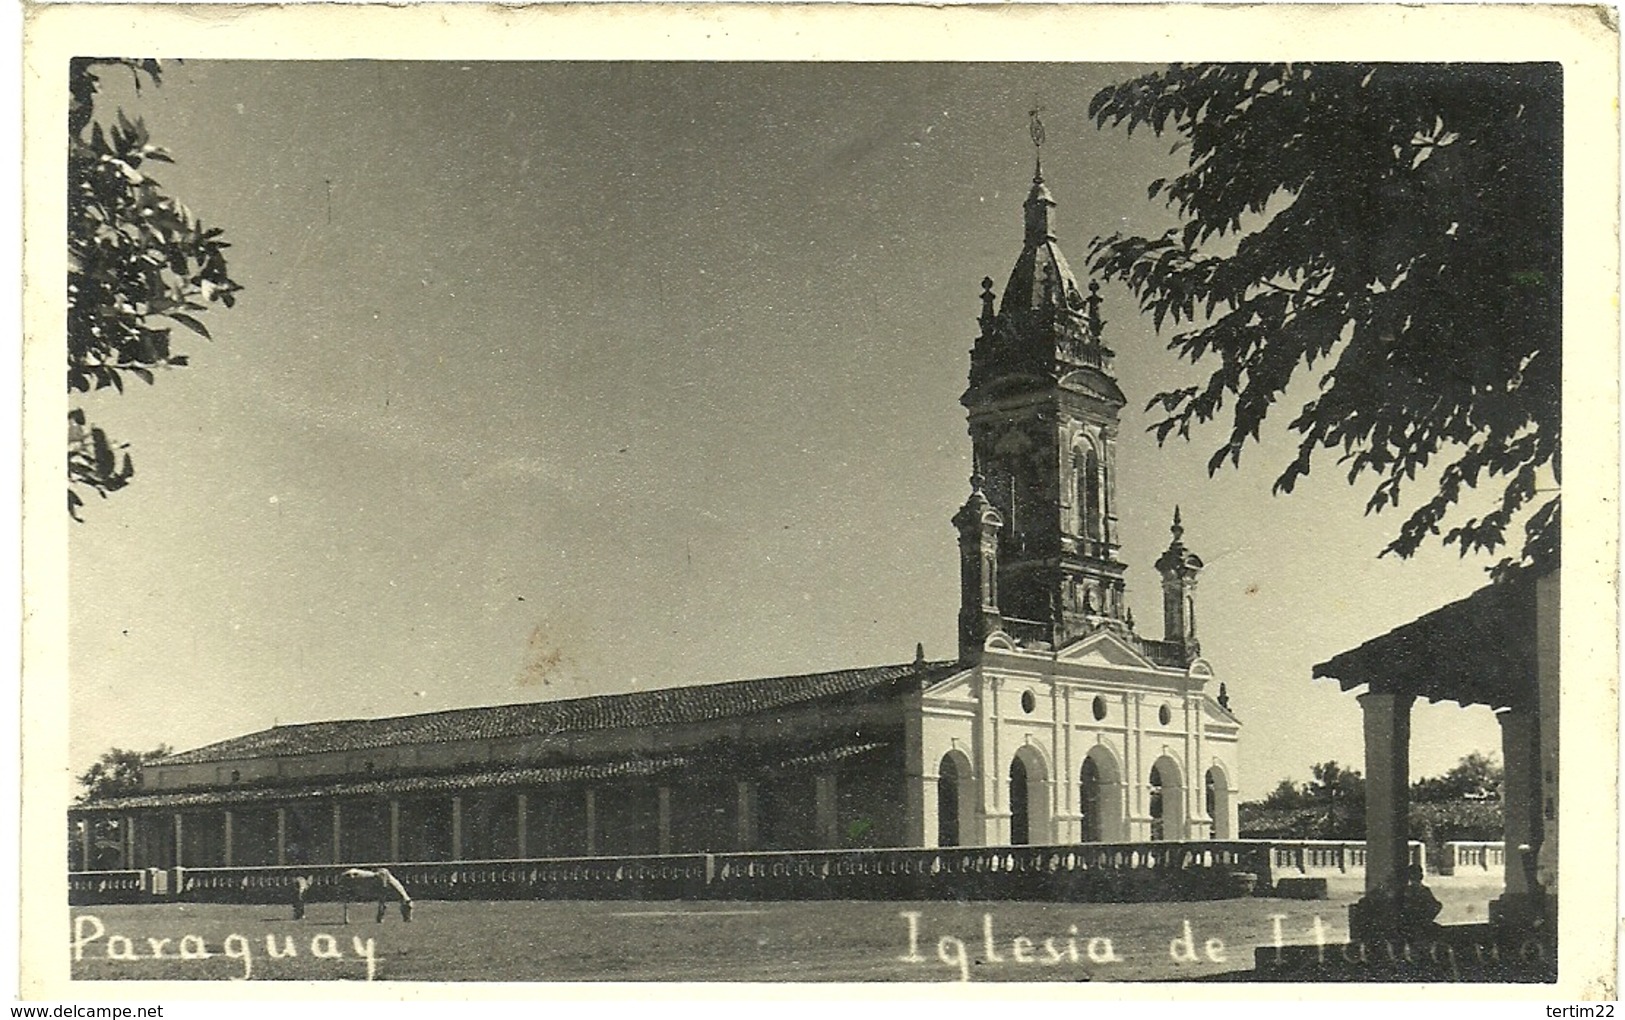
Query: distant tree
1286 794
1338 791
1398 228
1474 777
118 772
139 263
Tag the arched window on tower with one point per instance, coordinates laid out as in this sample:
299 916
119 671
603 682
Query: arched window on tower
1086 463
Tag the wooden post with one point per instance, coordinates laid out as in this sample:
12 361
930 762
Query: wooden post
129 842
338 833
281 836
592 823
226 831
522 813
86 850
180 836
663 812
747 816
456 827
395 829
825 809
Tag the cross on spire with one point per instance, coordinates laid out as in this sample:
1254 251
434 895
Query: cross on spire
1035 127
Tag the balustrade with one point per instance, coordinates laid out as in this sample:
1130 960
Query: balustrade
1091 872
1468 855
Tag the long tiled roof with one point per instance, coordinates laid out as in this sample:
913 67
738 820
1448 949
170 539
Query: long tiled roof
672 705
460 780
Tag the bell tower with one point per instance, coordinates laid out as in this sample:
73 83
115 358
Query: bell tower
1043 412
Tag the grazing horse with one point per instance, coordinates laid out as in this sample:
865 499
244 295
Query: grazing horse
359 884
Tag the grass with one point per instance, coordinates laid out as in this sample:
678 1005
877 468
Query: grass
711 941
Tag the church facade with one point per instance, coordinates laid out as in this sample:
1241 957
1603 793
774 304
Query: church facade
1056 723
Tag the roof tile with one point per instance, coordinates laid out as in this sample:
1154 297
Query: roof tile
671 705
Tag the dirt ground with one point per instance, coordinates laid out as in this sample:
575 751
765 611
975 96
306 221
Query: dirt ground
685 941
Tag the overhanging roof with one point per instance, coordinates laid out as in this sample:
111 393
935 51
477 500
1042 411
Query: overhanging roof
1478 651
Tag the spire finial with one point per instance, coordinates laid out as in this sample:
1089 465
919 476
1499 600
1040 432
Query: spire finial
1035 127
1178 529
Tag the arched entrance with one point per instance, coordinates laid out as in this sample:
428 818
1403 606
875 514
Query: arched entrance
956 806
1218 802
1029 798
1100 796
1167 800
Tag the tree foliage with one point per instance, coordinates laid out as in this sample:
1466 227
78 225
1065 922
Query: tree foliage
1462 804
1334 786
139 264
1286 796
1395 228
118 772
1474 777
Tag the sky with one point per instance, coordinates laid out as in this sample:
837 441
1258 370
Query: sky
558 379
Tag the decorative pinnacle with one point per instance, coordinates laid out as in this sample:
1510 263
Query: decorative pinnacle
1178 529
976 483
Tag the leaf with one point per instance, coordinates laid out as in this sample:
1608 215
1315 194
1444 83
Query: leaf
102 451
1397 231
190 323
137 258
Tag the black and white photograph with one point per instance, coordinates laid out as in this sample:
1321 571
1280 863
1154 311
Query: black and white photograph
708 495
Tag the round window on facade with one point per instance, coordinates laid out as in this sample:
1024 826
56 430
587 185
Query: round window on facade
1028 702
1165 715
1100 707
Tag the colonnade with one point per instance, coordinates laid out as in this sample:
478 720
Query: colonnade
798 810
1386 719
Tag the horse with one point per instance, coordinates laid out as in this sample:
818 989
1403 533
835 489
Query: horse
358 884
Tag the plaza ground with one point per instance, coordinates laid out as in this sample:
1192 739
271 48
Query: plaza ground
714 941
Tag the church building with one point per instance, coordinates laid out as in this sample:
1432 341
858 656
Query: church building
1056 723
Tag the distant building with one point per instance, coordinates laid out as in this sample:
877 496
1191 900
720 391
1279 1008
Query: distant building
1056 723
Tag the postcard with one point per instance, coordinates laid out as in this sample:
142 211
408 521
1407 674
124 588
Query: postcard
820 496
